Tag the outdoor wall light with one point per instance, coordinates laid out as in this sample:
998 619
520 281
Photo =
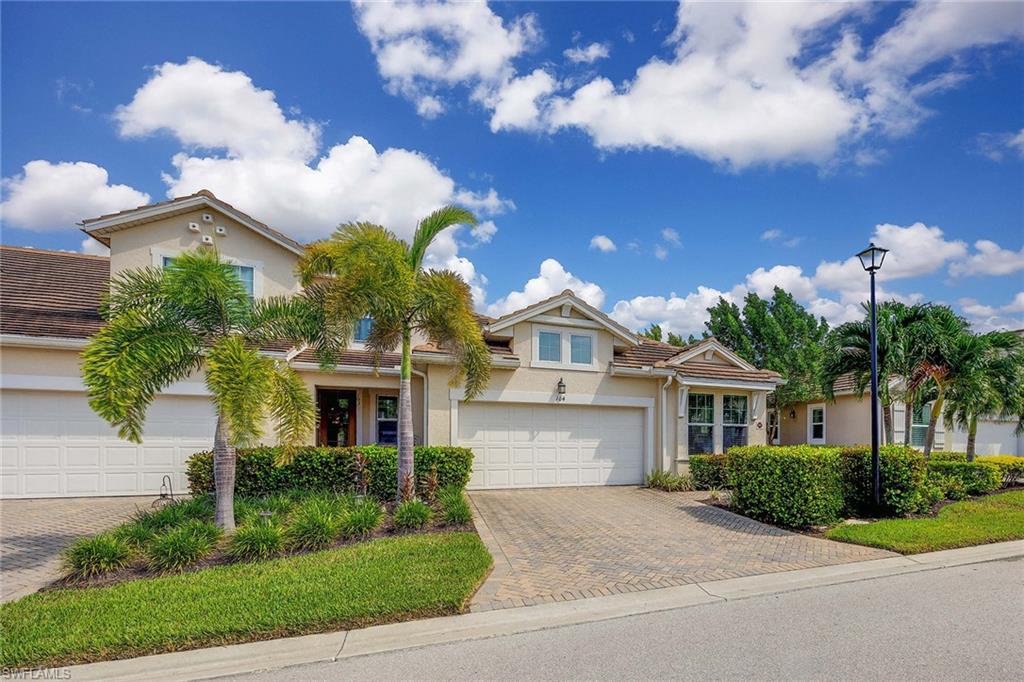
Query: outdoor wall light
561 390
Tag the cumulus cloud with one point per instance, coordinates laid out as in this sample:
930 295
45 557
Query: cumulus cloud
770 235
515 103
587 54
552 279
602 243
788 277
484 232
671 237
48 196
999 146
989 259
660 252
984 318
680 314
93 247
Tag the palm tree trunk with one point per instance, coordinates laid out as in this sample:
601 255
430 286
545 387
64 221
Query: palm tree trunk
887 423
224 477
908 421
933 420
972 432
405 435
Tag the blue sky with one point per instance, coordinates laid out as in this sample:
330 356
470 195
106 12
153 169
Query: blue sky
719 148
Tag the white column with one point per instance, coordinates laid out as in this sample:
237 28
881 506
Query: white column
682 424
717 429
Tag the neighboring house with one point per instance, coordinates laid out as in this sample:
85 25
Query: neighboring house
846 420
574 397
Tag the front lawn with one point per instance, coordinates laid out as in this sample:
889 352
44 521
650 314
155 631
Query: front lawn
993 518
380 581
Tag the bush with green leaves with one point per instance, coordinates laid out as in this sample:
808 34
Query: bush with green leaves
709 471
976 477
903 475
257 542
315 524
1012 468
332 469
362 519
455 509
796 486
670 482
88 557
181 547
412 515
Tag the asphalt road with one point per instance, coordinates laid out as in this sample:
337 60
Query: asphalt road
949 624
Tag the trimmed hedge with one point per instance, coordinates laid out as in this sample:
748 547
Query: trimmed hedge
977 477
904 477
709 471
1011 467
333 469
795 486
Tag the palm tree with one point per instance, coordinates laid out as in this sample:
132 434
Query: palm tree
992 384
365 270
849 352
164 324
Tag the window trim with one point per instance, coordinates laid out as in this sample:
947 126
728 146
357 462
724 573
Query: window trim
926 413
711 424
377 418
810 424
158 256
745 424
565 345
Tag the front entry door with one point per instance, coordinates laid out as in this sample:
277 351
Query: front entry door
337 417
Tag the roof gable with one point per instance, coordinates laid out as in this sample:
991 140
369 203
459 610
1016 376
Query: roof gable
565 303
697 351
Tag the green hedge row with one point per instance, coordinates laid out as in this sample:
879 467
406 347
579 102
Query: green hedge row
977 478
709 471
334 469
1010 467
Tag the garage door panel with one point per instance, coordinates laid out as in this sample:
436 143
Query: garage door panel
552 445
53 445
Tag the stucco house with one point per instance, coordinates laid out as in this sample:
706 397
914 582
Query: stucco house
574 399
846 420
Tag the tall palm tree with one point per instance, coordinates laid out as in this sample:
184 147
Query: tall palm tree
849 352
991 384
365 270
164 324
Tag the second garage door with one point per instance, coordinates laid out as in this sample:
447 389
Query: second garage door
523 446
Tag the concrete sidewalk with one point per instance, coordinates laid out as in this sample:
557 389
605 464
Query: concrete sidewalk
273 654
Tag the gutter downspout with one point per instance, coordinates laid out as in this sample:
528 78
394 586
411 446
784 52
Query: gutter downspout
664 419
426 401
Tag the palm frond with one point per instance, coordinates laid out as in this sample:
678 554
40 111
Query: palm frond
292 409
239 379
207 290
433 225
131 290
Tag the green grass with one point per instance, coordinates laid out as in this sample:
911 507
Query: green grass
994 518
381 581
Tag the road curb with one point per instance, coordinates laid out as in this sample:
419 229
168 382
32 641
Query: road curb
281 653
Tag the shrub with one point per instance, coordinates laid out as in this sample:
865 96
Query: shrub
315 525
977 478
257 541
362 519
709 471
794 486
99 554
455 509
1012 468
332 469
412 514
136 533
903 473
181 547
946 456
666 480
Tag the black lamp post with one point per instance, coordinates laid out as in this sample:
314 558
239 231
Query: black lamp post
871 259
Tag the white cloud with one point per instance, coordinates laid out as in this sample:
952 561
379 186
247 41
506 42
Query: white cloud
587 54
628 36
54 196
602 243
984 318
770 235
484 232
680 314
552 279
792 242
999 146
515 102
93 247
787 277
660 252
671 237
989 259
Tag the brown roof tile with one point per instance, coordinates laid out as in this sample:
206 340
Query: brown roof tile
712 370
647 353
354 358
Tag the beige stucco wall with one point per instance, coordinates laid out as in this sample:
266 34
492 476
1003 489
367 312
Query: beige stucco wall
756 425
143 245
847 422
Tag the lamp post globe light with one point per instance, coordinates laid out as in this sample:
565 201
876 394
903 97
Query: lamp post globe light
871 260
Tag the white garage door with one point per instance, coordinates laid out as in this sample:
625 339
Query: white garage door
522 446
992 438
54 446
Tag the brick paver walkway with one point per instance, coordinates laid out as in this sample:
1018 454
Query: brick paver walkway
33 533
572 543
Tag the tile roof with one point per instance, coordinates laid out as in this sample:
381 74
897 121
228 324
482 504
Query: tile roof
496 346
51 293
355 358
694 369
844 383
647 353
583 304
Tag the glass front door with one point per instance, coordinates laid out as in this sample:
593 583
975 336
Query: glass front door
337 417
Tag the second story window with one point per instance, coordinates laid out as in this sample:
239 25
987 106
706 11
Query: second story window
362 329
550 347
246 275
582 349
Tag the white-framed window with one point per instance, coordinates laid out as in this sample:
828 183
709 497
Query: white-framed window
816 424
700 423
246 274
362 329
734 421
564 348
387 420
919 425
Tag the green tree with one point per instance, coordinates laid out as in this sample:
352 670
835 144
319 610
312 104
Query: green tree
653 332
674 339
365 270
776 334
164 324
991 383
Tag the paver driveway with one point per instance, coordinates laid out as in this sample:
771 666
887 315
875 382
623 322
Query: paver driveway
571 543
33 533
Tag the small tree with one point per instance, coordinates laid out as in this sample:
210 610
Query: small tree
162 325
365 270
